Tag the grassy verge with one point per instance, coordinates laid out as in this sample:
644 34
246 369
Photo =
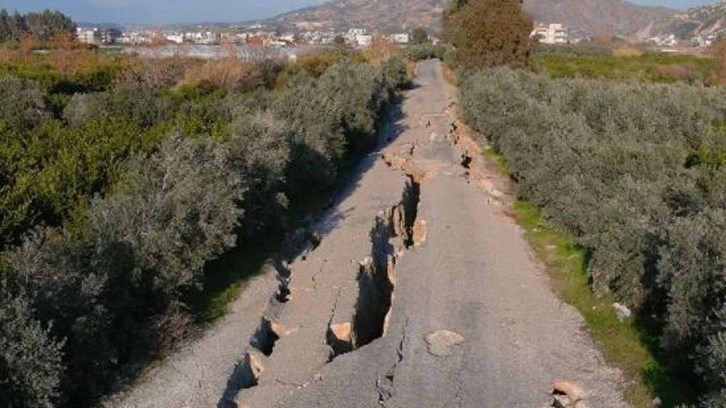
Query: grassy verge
499 159
227 277
626 346
650 67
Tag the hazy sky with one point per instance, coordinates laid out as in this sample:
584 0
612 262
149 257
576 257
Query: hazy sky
174 11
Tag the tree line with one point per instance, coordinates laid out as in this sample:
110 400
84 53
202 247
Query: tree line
44 26
637 173
116 197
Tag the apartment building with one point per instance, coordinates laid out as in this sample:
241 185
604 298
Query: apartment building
553 33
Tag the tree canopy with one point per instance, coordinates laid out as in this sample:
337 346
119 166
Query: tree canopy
43 26
419 36
488 33
116 196
636 172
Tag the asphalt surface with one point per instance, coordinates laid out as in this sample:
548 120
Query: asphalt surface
422 292
474 322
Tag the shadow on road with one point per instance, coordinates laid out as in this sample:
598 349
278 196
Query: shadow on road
393 127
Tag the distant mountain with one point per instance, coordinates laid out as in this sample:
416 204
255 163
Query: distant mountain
384 15
586 17
701 21
589 17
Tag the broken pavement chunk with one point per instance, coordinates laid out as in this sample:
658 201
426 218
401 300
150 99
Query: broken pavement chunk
441 343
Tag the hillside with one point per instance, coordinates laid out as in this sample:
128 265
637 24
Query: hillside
385 15
583 16
602 16
702 21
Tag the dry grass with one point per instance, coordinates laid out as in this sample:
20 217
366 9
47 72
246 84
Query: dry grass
315 63
628 50
380 50
230 74
158 73
718 52
678 72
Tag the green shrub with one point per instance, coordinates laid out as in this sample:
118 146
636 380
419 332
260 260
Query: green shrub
421 52
572 50
395 73
30 359
331 117
486 33
260 151
633 171
113 204
176 209
21 102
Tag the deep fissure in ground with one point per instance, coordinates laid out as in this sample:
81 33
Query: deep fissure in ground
377 273
246 375
265 337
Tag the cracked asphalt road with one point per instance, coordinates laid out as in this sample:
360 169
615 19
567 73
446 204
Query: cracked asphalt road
472 321
473 288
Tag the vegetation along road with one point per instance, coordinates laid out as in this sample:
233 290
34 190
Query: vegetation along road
395 302
383 260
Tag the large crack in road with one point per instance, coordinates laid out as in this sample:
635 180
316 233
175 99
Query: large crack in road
415 289
471 320
358 315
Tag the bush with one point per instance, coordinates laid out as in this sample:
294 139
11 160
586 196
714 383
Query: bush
83 108
332 117
57 274
260 151
229 74
21 102
634 172
395 74
173 212
693 274
30 360
112 212
488 33
421 52
176 209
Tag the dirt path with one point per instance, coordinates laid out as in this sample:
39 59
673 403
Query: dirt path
421 292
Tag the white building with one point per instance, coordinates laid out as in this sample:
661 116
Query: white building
403 38
202 37
666 41
359 36
176 38
550 34
86 35
287 38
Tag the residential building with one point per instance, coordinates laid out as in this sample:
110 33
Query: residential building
359 36
403 38
553 33
109 35
176 38
86 35
666 41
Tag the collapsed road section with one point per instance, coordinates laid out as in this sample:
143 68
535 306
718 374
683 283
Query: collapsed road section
340 296
473 321
415 290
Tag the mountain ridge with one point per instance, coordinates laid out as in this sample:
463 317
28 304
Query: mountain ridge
703 21
584 17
